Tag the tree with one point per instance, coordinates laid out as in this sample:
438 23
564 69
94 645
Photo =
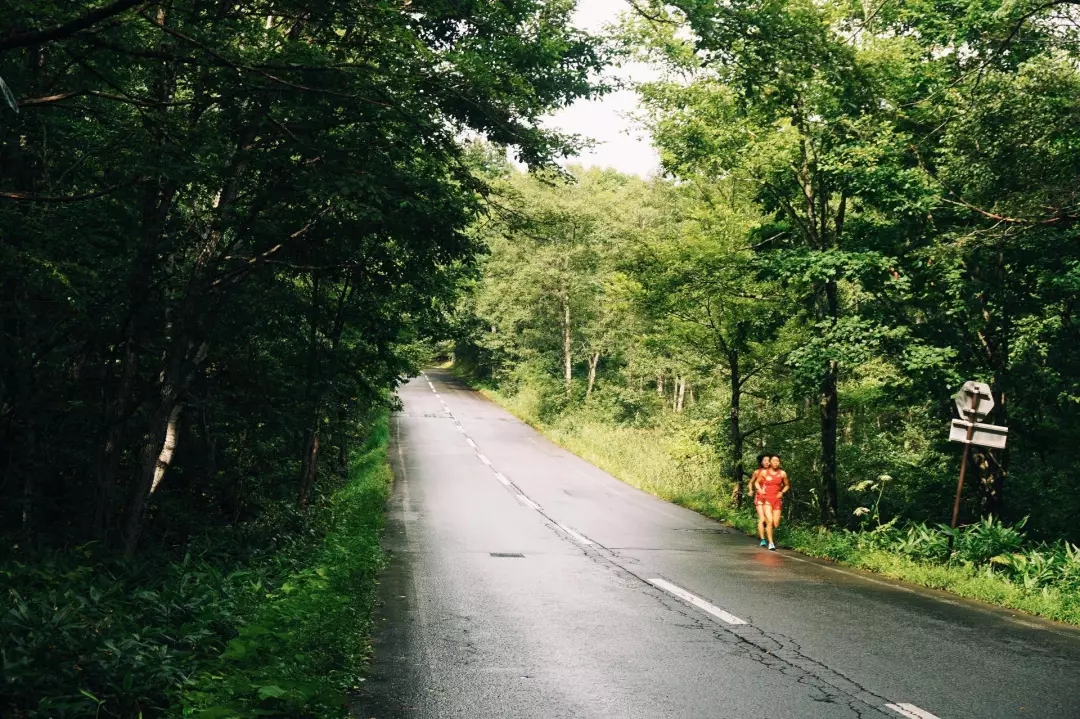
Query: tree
544 290
185 185
710 306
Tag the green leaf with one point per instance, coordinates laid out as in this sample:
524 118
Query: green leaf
271 691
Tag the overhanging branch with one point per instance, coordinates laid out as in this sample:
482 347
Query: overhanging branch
69 28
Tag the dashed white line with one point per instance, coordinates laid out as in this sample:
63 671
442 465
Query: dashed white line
910 711
577 537
528 502
696 601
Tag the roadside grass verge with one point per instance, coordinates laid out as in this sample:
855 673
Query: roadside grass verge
270 619
305 642
664 464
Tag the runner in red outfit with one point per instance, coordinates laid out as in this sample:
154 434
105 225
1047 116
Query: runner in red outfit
759 498
772 484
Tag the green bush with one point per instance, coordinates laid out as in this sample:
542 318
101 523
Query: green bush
263 620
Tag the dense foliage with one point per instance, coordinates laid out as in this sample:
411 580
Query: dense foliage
223 225
226 229
268 618
862 207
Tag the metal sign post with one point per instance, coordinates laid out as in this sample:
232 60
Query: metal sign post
974 401
963 469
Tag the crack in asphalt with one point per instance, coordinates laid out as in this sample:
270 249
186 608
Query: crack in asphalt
774 651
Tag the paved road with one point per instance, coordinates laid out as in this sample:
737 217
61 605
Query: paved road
525 582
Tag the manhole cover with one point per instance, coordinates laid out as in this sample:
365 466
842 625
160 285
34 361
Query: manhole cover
507 554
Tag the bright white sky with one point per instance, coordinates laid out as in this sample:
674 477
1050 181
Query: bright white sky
619 144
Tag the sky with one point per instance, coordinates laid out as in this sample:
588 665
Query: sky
619 144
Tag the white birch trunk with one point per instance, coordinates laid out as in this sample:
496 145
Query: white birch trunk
168 447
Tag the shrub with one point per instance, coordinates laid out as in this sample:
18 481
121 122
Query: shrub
257 621
980 542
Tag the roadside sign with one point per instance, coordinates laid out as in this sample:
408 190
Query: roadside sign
965 400
984 435
973 402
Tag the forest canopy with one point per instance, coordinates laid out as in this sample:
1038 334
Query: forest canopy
224 229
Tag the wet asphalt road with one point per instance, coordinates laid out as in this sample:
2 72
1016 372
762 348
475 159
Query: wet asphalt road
585 623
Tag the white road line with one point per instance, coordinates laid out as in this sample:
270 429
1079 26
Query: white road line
484 459
579 538
910 711
528 502
696 601
460 428
468 440
501 478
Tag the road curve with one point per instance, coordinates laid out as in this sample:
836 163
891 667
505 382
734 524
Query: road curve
525 582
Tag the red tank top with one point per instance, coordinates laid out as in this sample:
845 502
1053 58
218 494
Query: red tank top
771 483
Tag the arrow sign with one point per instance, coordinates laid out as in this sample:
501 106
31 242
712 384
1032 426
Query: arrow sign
984 435
965 400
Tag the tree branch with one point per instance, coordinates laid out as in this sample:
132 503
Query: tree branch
37 37
28 197
1009 220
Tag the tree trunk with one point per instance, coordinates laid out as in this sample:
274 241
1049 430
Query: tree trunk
566 342
28 484
343 455
157 204
158 446
735 429
829 406
309 470
680 394
993 464
164 460
660 384
594 359
159 439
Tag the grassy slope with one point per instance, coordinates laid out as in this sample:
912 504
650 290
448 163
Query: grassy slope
306 641
649 460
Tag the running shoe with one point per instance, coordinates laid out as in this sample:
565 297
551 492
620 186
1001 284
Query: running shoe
772 547
763 542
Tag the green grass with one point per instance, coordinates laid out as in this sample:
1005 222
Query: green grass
307 640
663 462
658 461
